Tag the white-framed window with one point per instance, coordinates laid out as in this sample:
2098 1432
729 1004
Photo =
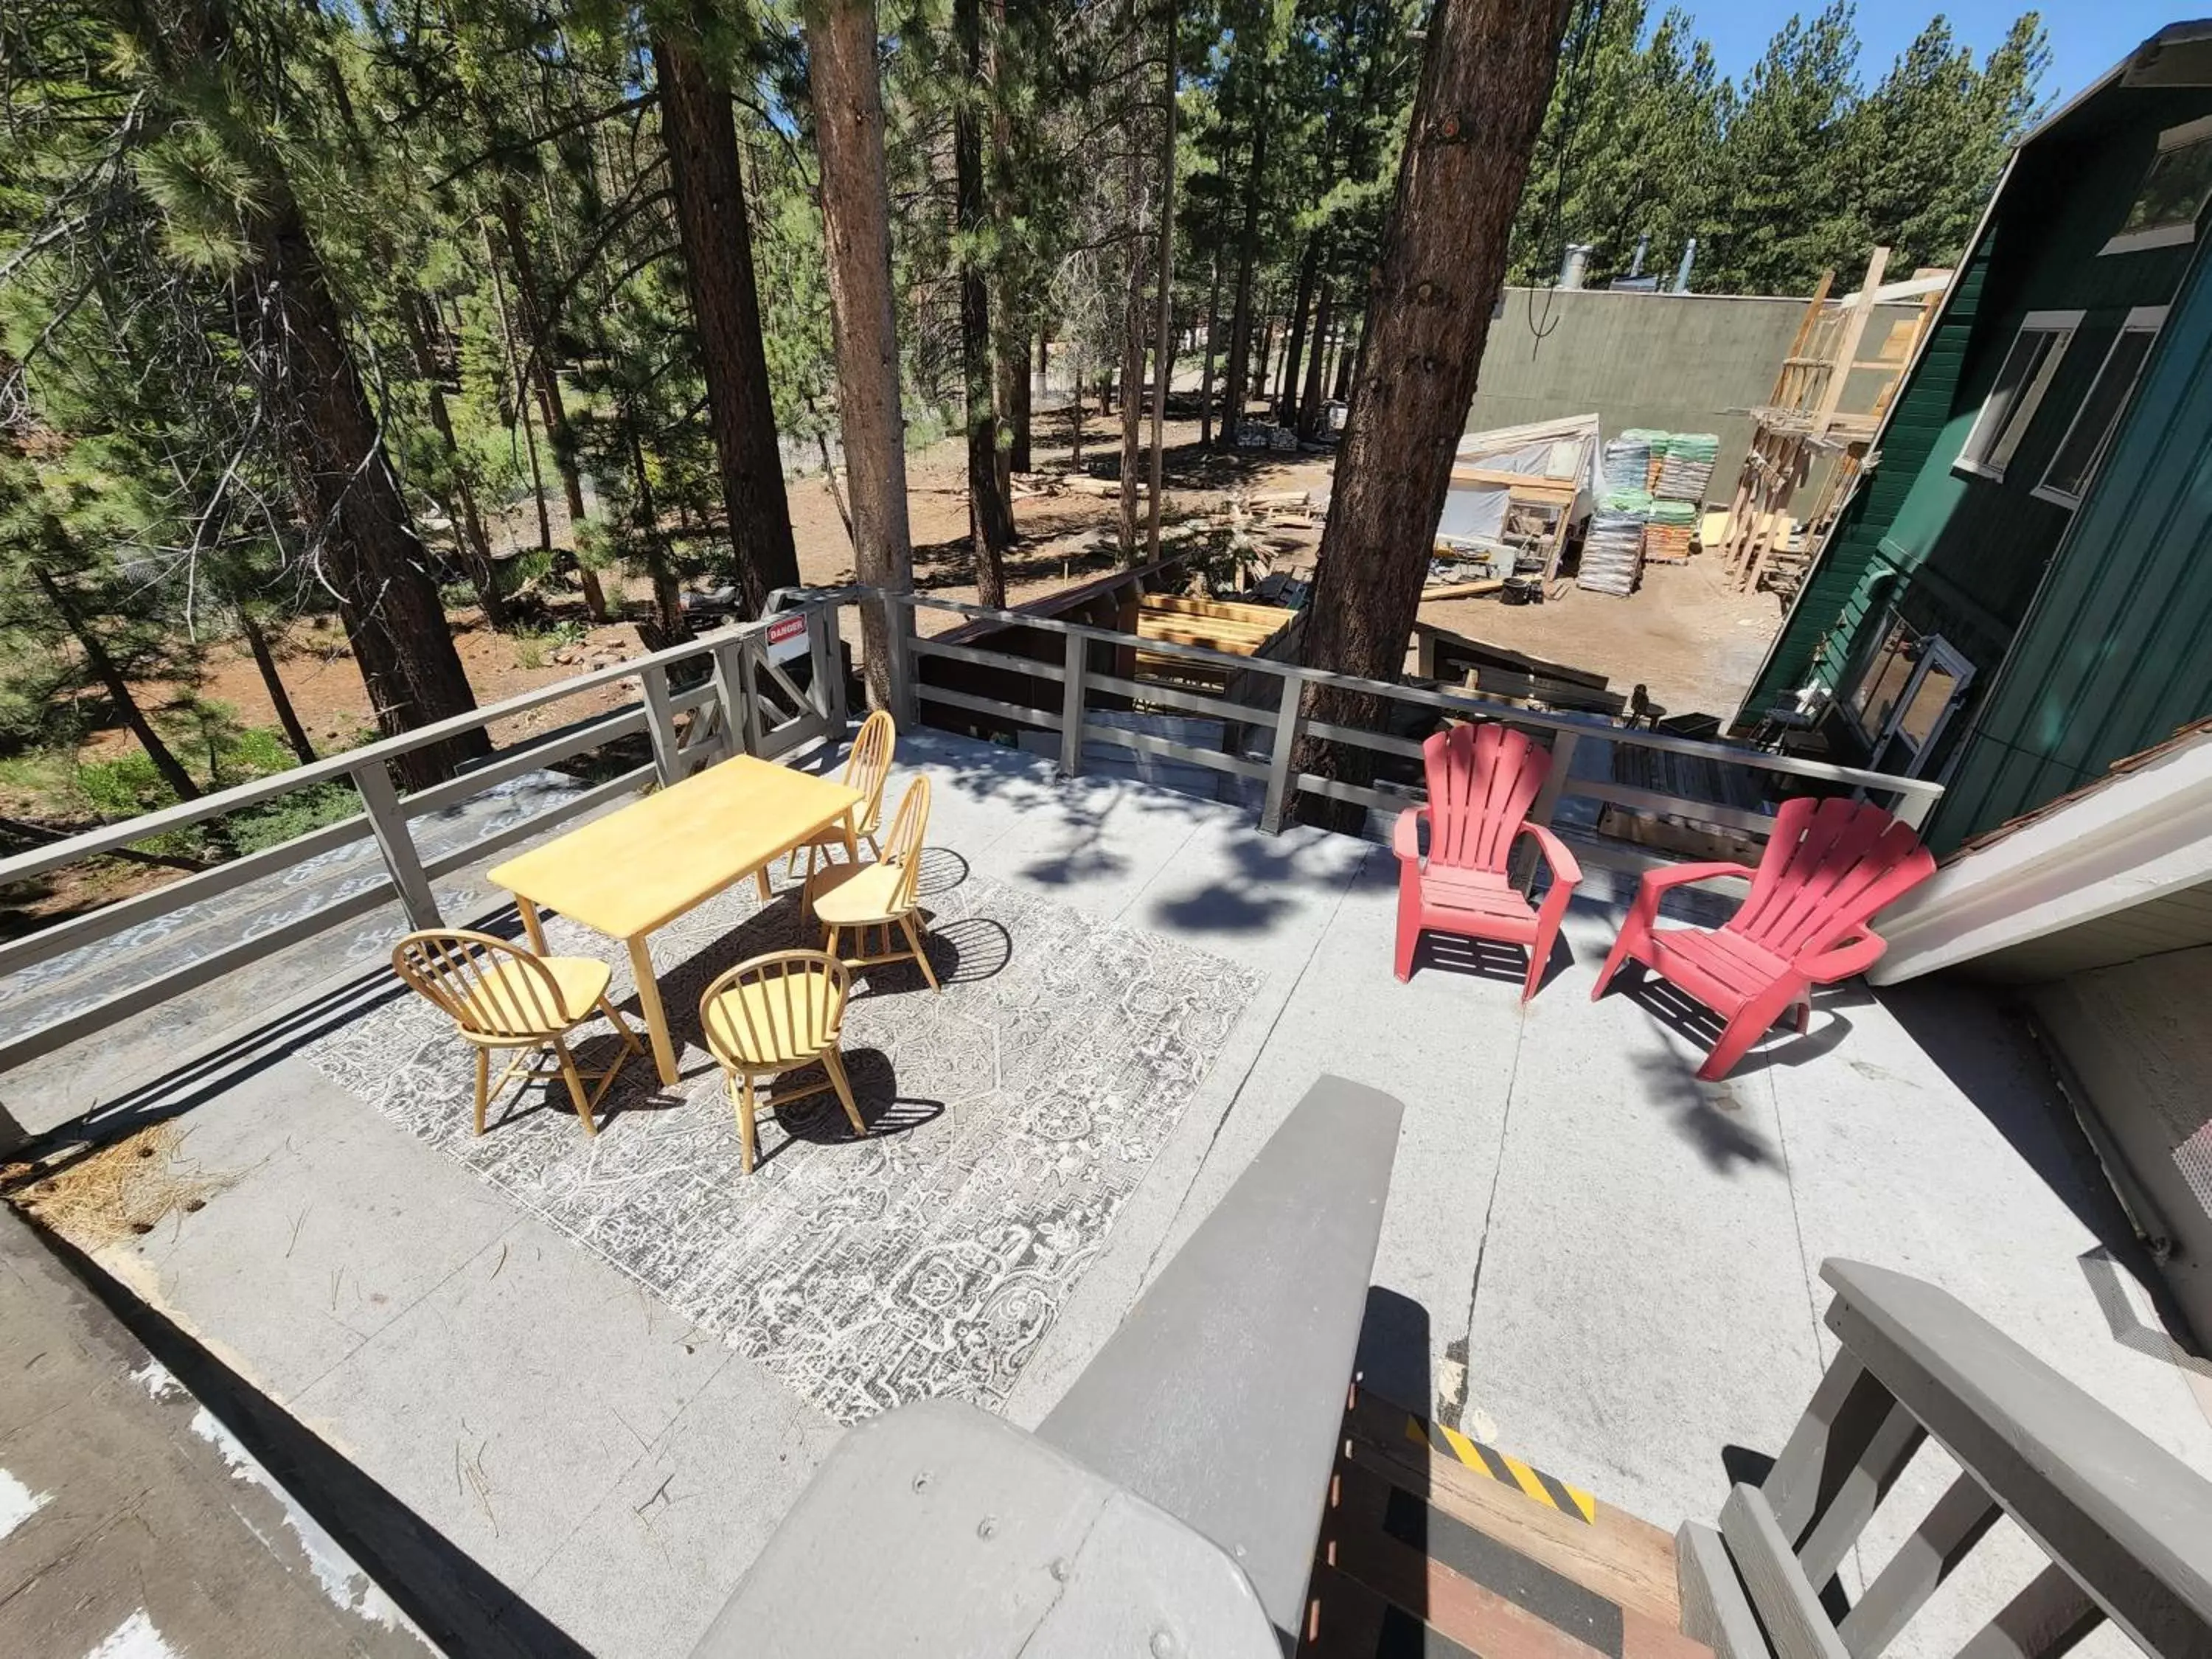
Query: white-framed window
2022 379
2083 447
1905 694
2172 193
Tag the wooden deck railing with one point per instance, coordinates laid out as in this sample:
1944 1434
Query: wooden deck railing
2125 1527
747 703
1283 720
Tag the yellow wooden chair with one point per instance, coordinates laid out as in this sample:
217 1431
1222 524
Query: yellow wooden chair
876 897
775 1014
867 767
503 996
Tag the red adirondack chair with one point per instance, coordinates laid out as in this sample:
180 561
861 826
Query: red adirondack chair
1481 780
1830 865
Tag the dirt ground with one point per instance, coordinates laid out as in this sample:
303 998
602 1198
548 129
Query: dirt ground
1685 634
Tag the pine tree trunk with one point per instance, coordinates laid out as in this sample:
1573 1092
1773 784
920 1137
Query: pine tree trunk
667 592
516 374
702 140
1485 79
1308 412
1163 339
119 690
1238 374
1019 449
363 541
1075 414
1132 354
1347 358
848 112
473 544
1286 391
552 409
990 514
280 699
1205 380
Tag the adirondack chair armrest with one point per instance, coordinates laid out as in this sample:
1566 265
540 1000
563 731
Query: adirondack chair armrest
1846 959
1658 881
1565 871
1406 838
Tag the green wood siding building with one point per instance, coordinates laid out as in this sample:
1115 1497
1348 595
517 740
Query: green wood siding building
2021 593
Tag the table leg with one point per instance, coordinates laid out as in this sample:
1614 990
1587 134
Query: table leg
852 836
648 1004
530 924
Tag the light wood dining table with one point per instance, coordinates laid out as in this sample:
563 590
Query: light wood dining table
637 869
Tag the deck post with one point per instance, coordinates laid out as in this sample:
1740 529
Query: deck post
828 665
899 621
1276 810
731 686
387 821
1071 709
659 723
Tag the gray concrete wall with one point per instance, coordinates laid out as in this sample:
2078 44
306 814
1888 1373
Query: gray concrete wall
1678 363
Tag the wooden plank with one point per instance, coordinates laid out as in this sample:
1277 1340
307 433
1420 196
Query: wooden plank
1714 1609
1460 590
2043 1621
1921 1563
1797 1624
1616 1554
1355 1541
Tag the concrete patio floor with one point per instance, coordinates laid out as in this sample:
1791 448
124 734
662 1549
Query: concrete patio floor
1588 1257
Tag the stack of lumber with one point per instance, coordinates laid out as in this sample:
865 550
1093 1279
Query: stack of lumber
1688 468
1613 554
1241 630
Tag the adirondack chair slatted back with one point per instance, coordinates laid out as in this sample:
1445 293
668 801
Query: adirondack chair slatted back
1482 779
1828 867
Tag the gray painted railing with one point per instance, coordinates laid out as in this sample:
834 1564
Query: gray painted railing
1910 798
2126 1528
749 705
1169 1505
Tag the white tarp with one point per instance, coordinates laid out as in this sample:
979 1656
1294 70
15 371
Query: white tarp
1475 512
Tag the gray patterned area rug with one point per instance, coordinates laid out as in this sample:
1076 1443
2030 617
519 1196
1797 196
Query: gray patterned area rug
1010 1119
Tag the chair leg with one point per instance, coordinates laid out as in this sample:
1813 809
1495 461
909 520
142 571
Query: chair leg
1613 962
1804 1014
1409 927
742 1097
621 1025
906 924
834 1063
576 1086
483 1086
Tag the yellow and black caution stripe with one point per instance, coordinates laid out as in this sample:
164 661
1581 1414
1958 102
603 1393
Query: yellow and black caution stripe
1547 1490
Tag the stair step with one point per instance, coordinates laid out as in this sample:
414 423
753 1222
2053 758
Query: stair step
1616 1554
1344 1619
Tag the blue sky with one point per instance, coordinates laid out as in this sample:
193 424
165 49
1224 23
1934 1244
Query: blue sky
2087 37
